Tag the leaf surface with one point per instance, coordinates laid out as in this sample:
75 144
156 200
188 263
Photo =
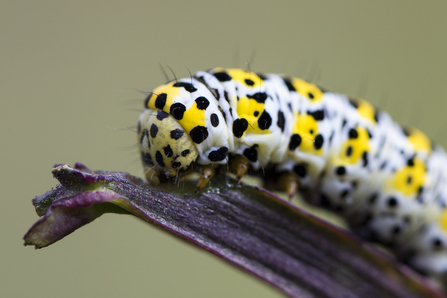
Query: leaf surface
250 227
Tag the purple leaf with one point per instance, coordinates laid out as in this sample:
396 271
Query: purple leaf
252 228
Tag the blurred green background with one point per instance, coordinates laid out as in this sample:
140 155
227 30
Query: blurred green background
69 75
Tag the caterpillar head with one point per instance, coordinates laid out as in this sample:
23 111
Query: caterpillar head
167 151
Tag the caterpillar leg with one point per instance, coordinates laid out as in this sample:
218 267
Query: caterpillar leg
152 177
206 174
288 182
239 165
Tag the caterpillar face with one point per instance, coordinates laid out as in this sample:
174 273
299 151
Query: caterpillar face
340 153
166 149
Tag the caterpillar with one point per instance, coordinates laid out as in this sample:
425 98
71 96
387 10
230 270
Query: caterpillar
340 153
